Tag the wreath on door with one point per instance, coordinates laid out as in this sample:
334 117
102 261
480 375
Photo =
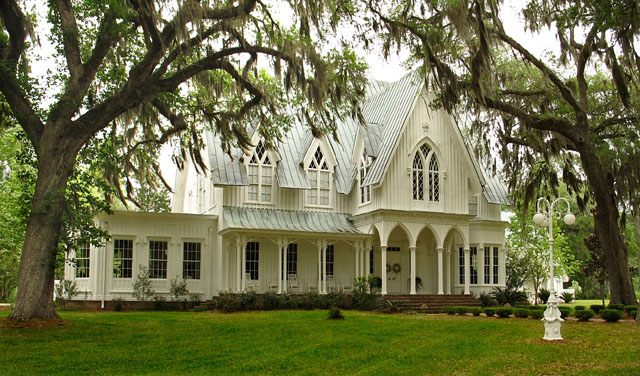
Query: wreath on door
397 268
388 268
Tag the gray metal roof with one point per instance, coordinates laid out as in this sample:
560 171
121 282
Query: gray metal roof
225 169
494 190
286 220
289 172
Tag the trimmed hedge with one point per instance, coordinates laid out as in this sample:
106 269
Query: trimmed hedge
634 313
504 312
521 312
579 308
449 310
536 314
476 311
564 312
490 311
611 315
584 314
619 307
629 308
596 308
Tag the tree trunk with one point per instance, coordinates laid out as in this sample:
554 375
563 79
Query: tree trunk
602 293
606 227
36 276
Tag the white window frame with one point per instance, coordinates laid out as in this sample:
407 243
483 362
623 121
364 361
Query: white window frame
162 261
264 165
115 240
427 172
198 261
317 167
83 261
252 266
363 170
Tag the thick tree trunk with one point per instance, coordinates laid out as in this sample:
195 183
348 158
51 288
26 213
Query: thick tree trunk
606 227
37 266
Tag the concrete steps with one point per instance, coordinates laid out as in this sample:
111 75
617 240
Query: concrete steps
434 303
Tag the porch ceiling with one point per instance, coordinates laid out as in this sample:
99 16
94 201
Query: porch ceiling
235 218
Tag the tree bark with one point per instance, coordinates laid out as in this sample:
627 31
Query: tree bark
606 226
56 158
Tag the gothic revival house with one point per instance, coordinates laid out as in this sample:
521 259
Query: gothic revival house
402 199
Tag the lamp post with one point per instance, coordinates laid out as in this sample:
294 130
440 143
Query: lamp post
544 217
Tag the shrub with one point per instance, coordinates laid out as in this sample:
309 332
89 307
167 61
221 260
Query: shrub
579 308
228 302
567 297
524 306
338 299
288 301
392 306
159 303
619 307
564 312
376 282
634 313
462 310
118 304
536 314
335 314
504 312
596 308
544 295
309 300
611 315
66 290
521 312
142 289
629 308
364 296
476 311
200 308
247 300
504 295
271 301
584 314
179 291
195 298
449 310
486 300
489 311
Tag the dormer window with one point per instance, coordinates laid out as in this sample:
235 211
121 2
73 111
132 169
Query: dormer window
425 174
363 170
320 179
260 172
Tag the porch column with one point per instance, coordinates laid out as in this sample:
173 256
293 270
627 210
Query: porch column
324 267
440 272
285 246
383 262
320 243
502 270
357 256
448 269
243 275
480 259
367 261
280 243
413 270
467 271
238 265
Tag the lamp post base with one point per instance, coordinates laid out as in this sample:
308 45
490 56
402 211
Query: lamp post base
552 320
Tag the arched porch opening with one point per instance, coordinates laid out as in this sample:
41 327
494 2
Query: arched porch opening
453 241
397 267
427 262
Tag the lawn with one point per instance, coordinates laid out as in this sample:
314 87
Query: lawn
305 342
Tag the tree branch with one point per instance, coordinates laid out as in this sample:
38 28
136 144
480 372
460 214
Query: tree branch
585 52
15 23
70 38
21 107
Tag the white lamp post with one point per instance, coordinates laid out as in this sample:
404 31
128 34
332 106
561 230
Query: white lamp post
544 217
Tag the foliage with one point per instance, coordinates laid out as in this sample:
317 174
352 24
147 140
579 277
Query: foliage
271 301
504 312
392 306
521 312
584 314
247 300
567 297
476 311
461 310
311 300
619 307
178 289
503 295
364 295
629 308
596 265
486 300
65 291
376 282
564 312
490 311
337 299
335 314
536 314
611 315
142 289
596 308
195 298
227 301
200 308
544 295
149 199
449 310
579 308
159 303
118 304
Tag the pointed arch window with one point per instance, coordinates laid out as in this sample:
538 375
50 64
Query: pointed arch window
260 171
363 170
319 178
425 175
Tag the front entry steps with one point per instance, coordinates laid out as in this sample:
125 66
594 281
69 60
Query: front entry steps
433 303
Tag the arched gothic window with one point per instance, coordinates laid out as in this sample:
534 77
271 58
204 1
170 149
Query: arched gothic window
363 170
260 171
319 177
425 175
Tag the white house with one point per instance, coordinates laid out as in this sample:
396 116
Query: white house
402 198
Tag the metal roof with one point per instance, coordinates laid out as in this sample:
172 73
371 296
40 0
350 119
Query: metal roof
286 220
225 169
494 190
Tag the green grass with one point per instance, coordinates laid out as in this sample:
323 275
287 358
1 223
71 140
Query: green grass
305 342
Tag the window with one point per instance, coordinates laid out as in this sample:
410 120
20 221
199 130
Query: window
157 259
122 258
292 259
191 256
371 262
330 258
487 265
260 171
473 266
83 262
495 265
428 179
393 249
461 263
252 257
319 178
363 169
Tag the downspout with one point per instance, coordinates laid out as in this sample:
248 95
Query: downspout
104 274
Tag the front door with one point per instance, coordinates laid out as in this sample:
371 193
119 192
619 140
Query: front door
394 270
